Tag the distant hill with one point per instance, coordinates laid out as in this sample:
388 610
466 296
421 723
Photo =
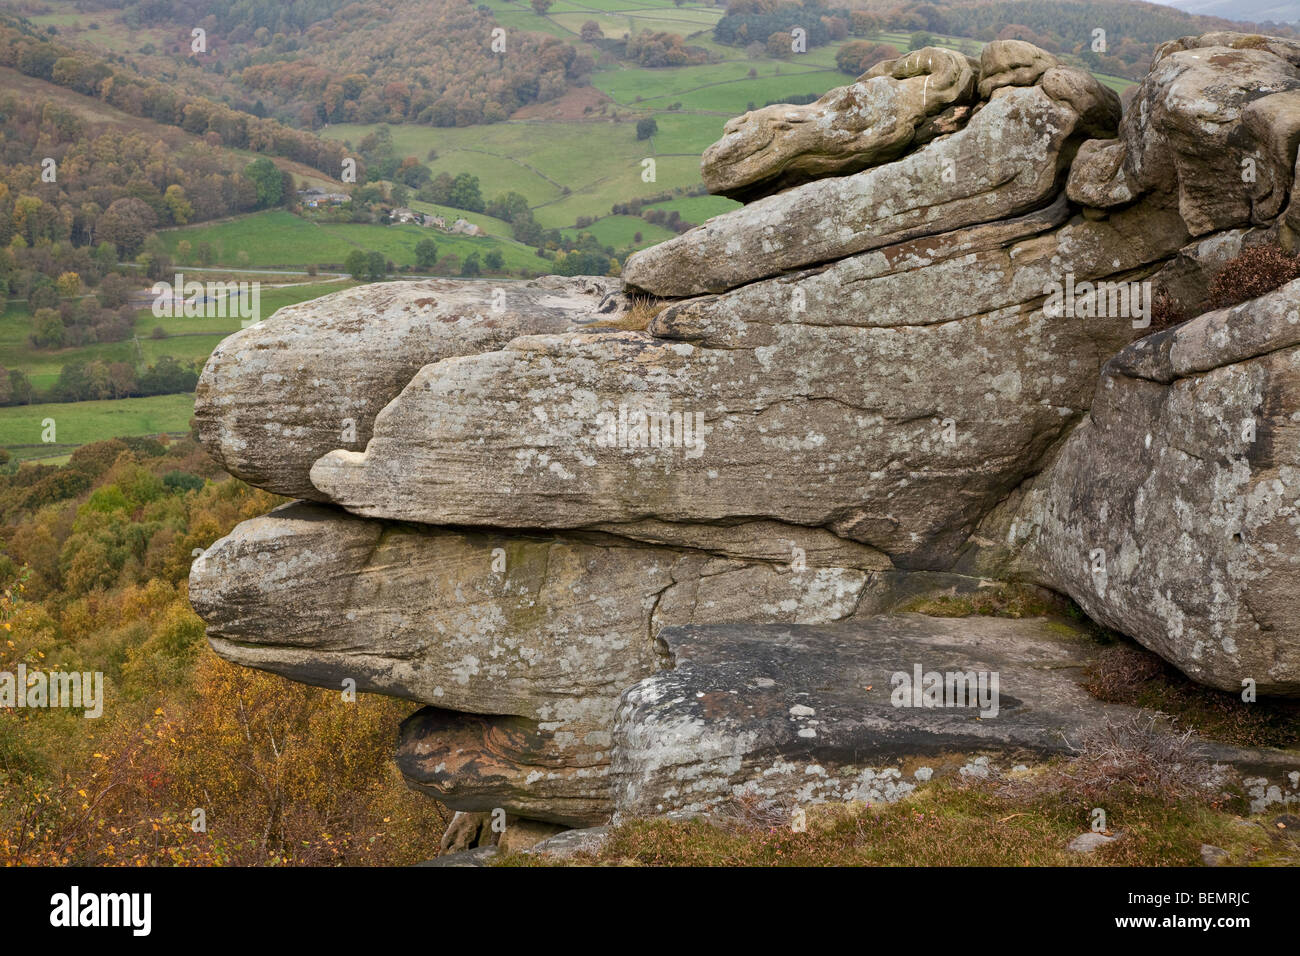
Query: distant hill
1258 11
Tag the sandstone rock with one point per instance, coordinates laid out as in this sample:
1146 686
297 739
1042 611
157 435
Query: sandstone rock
1097 106
1005 162
1281 47
539 634
1097 176
1214 855
1217 126
467 831
483 763
804 714
800 714
521 834
479 856
571 843
276 396
851 128
871 393
1012 63
816 395
1170 514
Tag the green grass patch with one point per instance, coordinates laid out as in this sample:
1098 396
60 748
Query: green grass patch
698 209
77 423
620 232
278 239
187 339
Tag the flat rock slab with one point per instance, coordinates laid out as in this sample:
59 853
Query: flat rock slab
570 843
538 633
800 714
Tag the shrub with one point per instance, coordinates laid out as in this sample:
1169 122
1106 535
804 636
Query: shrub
1257 271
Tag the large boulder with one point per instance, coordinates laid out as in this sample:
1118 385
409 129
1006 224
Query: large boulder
538 634
1215 123
860 711
1172 512
868 385
277 395
873 120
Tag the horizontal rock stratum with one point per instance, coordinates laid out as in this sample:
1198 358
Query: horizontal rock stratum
641 565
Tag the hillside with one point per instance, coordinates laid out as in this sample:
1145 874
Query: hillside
99 117
1260 11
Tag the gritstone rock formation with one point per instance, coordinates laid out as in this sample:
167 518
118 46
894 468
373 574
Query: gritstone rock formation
648 570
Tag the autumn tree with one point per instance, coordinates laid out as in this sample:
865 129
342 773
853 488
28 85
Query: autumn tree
179 207
126 223
858 56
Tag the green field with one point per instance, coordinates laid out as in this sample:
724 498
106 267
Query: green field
187 339
697 209
566 167
620 232
275 239
76 423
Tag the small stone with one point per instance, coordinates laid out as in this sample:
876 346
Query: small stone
571 842
1213 855
479 856
1090 841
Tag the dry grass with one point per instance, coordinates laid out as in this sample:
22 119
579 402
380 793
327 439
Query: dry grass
1257 271
1165 311
1127 674
1004 600
1145 755
637 318
967 823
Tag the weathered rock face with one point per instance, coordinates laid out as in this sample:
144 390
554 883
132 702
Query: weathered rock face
1012 63
1171 514
804 714
1216 123
869 385
1005 162
875 119
539 634
859 711
804 399
276 396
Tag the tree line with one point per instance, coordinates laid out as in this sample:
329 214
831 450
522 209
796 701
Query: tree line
23 48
